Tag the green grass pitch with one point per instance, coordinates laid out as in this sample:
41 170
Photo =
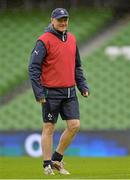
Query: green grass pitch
80 168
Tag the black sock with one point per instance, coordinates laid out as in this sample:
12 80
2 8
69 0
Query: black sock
57 156
46 163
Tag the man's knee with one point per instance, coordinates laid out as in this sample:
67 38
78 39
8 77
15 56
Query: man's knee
74 125
48 129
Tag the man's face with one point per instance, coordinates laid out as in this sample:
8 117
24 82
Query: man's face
60 24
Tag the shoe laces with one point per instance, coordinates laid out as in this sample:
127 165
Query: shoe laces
62 164
49 169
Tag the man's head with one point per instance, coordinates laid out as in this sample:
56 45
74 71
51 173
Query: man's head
59 19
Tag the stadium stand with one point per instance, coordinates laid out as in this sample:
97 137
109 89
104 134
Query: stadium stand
108 104
19 31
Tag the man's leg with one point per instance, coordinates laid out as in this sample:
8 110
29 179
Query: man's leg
69 108
47 142
68 135
65 139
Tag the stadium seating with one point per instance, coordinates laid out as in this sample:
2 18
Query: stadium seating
19 31
108 104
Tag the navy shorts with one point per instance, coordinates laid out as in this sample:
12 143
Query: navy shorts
68 109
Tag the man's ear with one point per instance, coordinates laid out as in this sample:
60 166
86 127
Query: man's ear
51 20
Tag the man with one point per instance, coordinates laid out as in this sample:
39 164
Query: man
55 69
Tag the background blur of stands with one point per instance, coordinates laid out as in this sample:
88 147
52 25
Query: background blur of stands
105 115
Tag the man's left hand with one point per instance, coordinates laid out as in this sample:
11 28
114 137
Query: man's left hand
85 94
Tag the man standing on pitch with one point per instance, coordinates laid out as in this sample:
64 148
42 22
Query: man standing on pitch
54 70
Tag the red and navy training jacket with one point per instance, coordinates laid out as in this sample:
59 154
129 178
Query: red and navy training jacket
55 63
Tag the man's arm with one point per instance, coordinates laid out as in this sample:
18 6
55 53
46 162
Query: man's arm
35 70
79 77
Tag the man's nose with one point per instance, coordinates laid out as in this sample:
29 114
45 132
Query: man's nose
64 23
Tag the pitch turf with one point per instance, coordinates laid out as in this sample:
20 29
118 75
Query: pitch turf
86 168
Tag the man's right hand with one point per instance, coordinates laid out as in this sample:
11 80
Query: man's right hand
43 100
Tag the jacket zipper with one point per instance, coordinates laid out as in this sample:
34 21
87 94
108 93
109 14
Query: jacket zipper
68 92
63 37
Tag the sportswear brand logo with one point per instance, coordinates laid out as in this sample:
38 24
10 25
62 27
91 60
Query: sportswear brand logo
36 52
49 117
